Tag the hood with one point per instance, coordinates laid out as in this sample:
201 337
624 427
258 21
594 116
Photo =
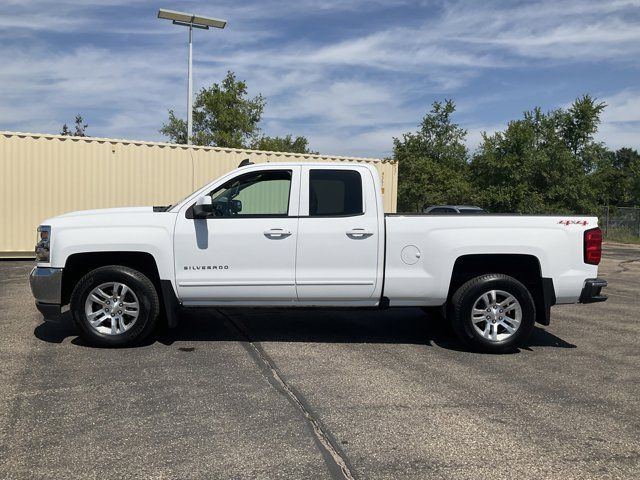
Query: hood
137 229
106 216
106 211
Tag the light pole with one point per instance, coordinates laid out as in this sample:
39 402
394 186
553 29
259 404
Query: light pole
192 21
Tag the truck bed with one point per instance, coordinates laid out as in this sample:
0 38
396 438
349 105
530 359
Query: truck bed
422 250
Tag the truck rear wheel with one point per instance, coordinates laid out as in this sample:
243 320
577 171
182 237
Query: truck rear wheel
493 313
114 306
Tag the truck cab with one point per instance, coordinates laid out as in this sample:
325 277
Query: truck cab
282 234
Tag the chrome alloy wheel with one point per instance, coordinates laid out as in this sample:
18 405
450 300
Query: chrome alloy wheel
496 315
112 308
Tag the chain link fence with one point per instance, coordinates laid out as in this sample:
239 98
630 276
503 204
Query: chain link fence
620 223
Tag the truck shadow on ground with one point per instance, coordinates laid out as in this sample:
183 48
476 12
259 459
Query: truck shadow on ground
393 326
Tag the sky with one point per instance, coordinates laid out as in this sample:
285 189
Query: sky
348 74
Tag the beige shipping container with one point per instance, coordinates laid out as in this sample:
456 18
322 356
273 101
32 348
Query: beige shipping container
47 175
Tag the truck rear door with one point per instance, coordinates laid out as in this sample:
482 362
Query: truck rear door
339 251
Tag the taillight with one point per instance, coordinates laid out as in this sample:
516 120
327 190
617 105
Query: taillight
593 246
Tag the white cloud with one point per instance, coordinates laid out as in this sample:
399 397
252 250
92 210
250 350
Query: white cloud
622 107
546 30
616 135
621 120
348 93
363 144
50 89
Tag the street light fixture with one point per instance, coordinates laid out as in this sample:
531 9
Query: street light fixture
192 21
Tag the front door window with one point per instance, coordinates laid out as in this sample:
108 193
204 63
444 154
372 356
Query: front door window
254 194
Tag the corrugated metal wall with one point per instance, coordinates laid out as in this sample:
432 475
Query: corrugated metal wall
45 175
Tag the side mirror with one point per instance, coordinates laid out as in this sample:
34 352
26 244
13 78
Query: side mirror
203 207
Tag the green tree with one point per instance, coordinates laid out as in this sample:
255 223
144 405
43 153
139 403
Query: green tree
432 162
223 116
577 126
541 163
79 128
634 174
175 129
616 178
282 144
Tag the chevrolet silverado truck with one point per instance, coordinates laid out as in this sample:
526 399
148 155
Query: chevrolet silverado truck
310 235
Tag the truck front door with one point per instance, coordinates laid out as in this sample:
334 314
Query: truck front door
244 252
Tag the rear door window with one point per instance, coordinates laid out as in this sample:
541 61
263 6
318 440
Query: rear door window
335 193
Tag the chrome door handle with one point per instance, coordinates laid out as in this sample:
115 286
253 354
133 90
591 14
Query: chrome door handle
359 232
277 233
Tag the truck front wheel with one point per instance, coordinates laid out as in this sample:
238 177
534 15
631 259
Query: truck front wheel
115 306
493 313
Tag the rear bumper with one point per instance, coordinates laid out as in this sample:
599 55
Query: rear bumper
46 286
592 291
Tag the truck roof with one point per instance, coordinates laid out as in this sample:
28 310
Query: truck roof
309 164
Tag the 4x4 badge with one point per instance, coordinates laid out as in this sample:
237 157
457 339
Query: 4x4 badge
573 222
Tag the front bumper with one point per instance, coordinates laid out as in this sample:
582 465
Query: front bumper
592 291
46 286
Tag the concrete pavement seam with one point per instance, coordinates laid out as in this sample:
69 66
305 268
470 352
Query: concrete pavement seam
336 460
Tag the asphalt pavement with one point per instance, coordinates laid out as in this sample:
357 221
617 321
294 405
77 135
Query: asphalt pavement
248 393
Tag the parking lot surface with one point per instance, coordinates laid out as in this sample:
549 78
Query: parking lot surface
323 394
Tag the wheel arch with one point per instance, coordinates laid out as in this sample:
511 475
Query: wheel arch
79 264
523 267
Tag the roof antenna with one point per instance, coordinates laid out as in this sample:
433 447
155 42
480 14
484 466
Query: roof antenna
245 162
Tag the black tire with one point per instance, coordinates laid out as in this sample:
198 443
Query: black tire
463 300
139 284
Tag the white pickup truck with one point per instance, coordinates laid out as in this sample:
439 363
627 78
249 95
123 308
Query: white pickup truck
301 235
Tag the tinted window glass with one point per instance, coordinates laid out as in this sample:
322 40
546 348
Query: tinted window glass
335 192
259 193
442 210
472 211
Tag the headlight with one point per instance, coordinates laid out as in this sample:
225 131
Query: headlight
42 247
